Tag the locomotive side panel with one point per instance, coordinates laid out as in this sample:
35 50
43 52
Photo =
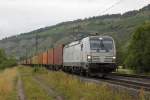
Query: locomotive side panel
72 54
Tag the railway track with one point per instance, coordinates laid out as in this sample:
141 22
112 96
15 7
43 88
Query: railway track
130 82
133 87
131 75
133 82
136 82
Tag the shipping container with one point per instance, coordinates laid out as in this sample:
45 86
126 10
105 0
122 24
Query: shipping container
28 61
35 60
51 56
58 55
25 61
40 58
22 62
45 58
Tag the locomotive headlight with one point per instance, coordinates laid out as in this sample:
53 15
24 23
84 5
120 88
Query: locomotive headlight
89 57
101 38
114 57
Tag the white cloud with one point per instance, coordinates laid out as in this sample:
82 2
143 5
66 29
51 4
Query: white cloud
17 16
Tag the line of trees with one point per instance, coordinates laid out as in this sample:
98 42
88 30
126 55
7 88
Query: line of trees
6 61
138 54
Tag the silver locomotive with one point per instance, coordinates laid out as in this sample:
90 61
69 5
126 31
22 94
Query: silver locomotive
91 55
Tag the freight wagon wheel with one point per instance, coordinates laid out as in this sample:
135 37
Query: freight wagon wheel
102 75
63 69
82 73
88 73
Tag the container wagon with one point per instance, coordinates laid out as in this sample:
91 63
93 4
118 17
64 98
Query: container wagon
50 58
45 58
34 60
40 59
58 57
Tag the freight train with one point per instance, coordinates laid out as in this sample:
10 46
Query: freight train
89 56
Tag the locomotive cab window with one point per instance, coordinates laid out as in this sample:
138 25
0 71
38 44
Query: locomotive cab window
102 44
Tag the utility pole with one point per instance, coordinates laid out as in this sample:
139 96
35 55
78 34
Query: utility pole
73 30
36 43
26 55
36 46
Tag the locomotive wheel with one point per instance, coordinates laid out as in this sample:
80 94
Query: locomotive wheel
82 72
102 75
88 73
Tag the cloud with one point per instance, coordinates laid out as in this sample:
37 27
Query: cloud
18 16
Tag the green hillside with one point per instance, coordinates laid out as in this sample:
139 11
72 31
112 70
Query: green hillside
119 26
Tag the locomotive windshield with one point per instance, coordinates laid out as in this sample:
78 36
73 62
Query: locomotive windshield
101 44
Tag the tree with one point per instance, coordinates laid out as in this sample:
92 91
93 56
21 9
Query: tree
2 56
5 61
138 57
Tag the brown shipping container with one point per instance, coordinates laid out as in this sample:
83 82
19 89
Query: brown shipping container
51 56
45 58
25 61
28 61
58 55
35 60
40 58
31 60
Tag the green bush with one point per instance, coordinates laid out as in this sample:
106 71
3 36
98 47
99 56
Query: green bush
138 57
6 61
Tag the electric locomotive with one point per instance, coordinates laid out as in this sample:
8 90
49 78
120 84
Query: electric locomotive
92 55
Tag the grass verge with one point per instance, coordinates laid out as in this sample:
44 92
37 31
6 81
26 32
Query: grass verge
72 88
129 71
8 80
75 89
33 91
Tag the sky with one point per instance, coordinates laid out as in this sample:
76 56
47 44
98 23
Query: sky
19 16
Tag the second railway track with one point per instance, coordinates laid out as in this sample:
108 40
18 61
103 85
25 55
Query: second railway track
130 81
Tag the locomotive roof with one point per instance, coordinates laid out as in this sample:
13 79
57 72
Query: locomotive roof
78 41
106 36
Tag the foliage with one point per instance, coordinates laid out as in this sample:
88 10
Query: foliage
8 79
5 61
138 57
